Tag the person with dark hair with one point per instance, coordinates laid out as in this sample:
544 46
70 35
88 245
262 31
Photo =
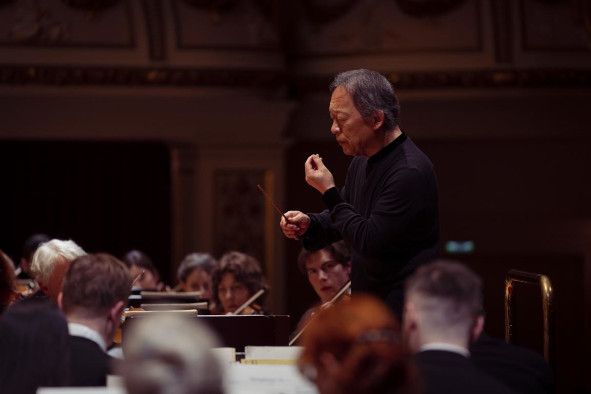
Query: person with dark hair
442 316
237 278
34 347
143 271
327 269
355 347
29 248
194 273
94 295
387 211
8 293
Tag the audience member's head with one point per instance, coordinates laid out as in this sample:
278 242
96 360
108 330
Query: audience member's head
34 347
355 347
443 304
194 273
30 246
142 270
327 269
7 281
237 278
157 362
50 263
95 292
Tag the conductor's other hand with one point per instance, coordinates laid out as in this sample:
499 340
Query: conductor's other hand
317 175
296 225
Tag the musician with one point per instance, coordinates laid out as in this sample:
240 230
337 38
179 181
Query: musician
194 274
171 354
442 316
34 347
29 248
8 292
237 278
141 267
95 292
50 263
355 347
327 269
387 210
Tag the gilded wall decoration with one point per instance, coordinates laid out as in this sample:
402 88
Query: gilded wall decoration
383 27
239 218
67 23
555 26
243 24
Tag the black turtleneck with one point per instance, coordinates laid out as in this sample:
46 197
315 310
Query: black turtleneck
387 213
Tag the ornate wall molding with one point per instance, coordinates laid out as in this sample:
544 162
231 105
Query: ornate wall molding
136 76
130 76
155 28
500 78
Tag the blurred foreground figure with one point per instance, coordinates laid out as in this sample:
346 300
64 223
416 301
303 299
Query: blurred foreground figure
34 347
442 316
95 292
170 354
355 347
8 292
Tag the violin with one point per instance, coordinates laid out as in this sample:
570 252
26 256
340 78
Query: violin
249 307
344 292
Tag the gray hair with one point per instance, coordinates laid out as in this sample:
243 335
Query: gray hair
448 297
193 261
49 254
156 362
371 92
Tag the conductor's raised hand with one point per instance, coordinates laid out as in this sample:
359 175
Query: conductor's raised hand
317 175
294 224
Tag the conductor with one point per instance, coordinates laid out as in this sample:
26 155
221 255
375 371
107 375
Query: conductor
387 211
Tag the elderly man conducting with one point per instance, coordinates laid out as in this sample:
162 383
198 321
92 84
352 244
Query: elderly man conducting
387 211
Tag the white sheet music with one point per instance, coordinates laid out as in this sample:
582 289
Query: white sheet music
266 379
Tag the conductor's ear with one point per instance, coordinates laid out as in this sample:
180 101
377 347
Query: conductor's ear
377 120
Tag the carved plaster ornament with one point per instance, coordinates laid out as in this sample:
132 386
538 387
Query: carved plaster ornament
35 24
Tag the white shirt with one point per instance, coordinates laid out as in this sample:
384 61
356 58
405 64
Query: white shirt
448 347
80 330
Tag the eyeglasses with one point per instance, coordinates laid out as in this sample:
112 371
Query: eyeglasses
325 267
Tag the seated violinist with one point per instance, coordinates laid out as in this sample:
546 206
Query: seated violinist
327 270
143 272
194 274
237 278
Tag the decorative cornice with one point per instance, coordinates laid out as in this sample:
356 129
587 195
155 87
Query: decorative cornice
250 78
136 76
499 78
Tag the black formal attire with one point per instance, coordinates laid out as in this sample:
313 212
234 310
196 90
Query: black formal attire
521 369
444 371
89 364
387 212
